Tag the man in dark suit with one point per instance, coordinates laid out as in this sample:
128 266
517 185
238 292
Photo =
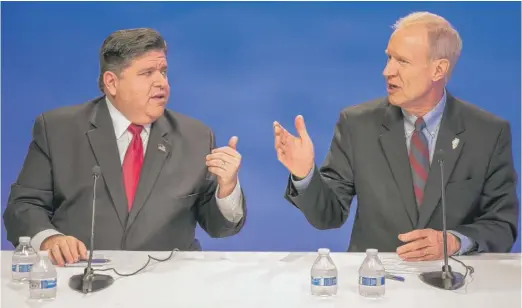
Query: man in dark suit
160 172
386 152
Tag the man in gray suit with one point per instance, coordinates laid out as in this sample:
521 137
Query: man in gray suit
160 172
386 152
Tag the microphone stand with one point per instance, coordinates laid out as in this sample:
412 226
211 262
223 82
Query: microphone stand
445 279
89 281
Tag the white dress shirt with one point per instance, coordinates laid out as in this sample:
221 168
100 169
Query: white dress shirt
229 206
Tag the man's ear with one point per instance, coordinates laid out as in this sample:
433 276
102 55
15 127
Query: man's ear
110 79
441 69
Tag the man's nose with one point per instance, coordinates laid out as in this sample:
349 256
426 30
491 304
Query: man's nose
389 70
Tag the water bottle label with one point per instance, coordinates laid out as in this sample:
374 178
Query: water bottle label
42 284
371 281
22 268
324 281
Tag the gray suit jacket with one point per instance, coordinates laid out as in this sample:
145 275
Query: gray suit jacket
368 158
54 188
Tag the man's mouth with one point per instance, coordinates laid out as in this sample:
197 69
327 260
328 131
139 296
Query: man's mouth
390 87
159 96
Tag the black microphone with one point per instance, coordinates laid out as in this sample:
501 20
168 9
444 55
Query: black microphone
445 279
88 281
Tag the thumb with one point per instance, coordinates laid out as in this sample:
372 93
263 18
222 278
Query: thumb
233 142
300 127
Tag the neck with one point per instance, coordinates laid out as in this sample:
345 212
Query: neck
116 104
425 104
113 101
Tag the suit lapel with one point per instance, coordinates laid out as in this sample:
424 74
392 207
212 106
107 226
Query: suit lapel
393 144
450 141
158 150
106 153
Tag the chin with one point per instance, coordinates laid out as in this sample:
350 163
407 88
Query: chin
395 102
153 115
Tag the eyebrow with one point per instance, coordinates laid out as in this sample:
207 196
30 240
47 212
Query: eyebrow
153 67
396 56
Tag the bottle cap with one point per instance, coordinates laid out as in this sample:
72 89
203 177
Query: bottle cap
324 251
24 239
371 251
43 253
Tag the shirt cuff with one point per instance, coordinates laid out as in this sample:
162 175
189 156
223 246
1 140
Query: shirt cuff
466 244
40 237
301 185
231 205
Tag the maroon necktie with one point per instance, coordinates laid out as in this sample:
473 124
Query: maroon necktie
419 160
132 163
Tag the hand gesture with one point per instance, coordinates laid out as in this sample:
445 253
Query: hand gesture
224 162
295 153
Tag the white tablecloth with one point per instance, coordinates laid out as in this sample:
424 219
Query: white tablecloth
272 279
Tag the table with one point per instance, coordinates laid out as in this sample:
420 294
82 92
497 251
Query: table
272 279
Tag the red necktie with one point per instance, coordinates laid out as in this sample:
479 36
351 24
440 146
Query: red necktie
132 163
419 160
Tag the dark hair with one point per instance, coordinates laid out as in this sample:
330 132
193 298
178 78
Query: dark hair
122 46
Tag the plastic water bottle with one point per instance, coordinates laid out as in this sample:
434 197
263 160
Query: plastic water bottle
43 281
372 275
324 274
24 257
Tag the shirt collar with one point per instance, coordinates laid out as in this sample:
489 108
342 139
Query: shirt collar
432 118
119 121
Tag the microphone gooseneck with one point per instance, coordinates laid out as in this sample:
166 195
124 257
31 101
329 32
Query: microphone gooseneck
96 170
89 281
445 279
446 268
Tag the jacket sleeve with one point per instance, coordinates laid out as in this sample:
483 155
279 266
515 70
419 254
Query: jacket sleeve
30 204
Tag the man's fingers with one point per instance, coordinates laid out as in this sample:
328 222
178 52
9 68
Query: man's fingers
66 251
428 257
83 250
51 257
277 127
218 163
280 131
412 246
283 141
416 254
300 127
278 135
217 171
424 254
280 155
73 247
277 142
281 146
413 235
224 153
57 255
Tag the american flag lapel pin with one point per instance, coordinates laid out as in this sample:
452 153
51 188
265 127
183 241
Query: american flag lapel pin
455 143
161 147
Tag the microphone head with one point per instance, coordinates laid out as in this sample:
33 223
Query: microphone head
440 155
96 170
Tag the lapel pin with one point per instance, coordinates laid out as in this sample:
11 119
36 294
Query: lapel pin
161 147
455 143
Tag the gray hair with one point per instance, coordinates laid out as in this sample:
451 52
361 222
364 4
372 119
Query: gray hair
444 41
121 47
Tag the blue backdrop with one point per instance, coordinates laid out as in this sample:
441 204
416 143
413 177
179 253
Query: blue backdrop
240 66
